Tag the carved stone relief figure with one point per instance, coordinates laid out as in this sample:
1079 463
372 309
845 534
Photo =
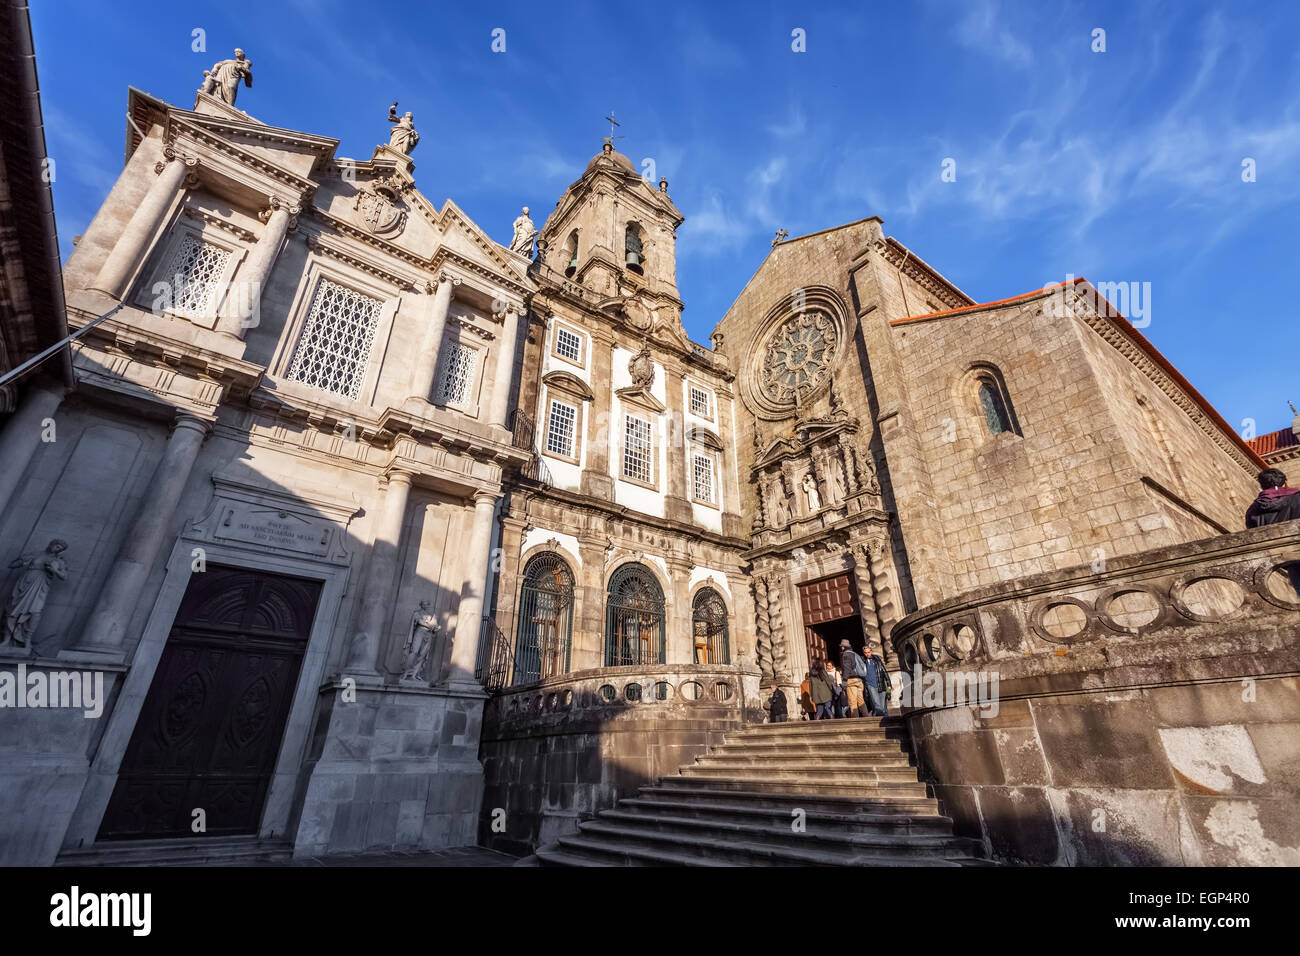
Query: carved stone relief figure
415 661
780 506
402 137
814 498
835 473
222 81
27 599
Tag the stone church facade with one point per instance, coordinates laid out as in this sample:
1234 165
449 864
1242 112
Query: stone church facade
385 535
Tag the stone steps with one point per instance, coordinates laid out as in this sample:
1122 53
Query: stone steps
203 851
826 793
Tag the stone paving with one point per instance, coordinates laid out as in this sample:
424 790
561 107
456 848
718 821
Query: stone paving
457 856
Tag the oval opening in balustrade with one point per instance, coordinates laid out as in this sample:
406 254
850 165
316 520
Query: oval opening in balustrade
663 690
930 648
1213 598
567 699
721 691
961 641
691 690
1132 609
1064 620
1283 582
632 692
910 656
550 701
608 694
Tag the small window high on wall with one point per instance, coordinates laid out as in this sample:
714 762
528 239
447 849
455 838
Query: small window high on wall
994 403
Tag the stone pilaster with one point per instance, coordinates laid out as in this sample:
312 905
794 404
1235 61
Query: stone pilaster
596 479
504 373
435 324
106 632
381 571
677 504
135 239
469 616
242 307
21 436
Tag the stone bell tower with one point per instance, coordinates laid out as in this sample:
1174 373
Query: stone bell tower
614 233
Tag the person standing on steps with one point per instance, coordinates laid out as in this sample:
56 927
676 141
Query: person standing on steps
777 707
807 710
877 681
822 692
855 670
838 699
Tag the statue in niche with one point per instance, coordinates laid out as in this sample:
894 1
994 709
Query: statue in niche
402 137
780 507
525 232
836 472
809 486
27 599
642 368
222 81
419 642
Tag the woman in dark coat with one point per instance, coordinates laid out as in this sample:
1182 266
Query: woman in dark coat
777 707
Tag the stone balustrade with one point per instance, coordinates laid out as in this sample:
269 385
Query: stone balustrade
1184 608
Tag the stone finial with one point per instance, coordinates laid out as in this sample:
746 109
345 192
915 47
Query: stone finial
1295 422
222 81
663 184
780 237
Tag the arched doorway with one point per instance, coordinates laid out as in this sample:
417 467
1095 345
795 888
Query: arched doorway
709 625
634 618
544 639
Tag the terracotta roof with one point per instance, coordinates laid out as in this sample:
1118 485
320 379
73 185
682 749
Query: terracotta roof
1127 329
1274 441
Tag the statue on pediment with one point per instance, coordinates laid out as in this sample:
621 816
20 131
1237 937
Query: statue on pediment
222 81
525 232
402 137
814 498
27 600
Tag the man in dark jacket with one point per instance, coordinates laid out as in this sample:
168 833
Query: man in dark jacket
822 693
855 672
877 684
1276 501
777 706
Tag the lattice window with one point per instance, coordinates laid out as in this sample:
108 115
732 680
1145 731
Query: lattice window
336 340
457 375
560 429
700 403
568 344
703 475
637 449
195 273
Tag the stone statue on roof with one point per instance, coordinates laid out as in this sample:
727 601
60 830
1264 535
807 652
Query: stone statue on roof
222 81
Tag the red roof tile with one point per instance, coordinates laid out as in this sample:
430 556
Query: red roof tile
1273 441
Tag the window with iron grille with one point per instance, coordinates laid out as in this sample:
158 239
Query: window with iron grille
457 374
568 344
560 429
336 340
709 622
703 472
194 274
700 404
637 449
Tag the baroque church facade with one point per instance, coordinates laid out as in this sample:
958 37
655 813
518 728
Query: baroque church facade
387 535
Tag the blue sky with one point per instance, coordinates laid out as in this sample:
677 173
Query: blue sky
1122 166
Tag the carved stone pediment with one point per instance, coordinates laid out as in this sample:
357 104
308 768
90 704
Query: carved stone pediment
568 382
642 397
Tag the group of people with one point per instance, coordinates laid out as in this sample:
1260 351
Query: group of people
859 687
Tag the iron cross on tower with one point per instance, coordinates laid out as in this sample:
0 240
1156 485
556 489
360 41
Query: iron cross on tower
612 123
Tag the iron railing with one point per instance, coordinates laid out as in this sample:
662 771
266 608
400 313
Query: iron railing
495 660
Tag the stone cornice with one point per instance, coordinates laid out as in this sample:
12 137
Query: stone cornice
212 219
896 255
327 243
300 188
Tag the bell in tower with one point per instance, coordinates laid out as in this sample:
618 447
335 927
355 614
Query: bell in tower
632 249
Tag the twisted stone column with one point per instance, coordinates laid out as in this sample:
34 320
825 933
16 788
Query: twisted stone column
875 594
764 629
780 653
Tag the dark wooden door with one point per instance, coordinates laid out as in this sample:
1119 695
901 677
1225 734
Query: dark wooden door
830 599
209 732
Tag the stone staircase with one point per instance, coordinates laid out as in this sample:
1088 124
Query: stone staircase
198 851
851 781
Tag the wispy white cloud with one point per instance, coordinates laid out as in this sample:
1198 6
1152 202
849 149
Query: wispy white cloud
986 28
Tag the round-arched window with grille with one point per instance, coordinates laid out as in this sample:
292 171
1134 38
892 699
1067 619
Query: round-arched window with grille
634 618
545 634
709 625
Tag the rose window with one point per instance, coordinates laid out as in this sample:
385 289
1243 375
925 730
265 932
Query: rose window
798 358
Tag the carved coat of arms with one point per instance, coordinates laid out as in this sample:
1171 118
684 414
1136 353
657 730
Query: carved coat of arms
379 208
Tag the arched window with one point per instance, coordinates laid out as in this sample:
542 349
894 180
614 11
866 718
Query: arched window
633 244
994 403
709 624
571 254
634 618
545 620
